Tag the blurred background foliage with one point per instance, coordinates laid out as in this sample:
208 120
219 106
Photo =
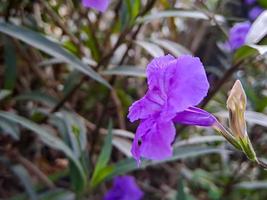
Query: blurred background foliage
68 75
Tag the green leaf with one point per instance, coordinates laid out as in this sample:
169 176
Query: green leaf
181 194
153 49
57 194
199 140
75 136
52 194
252 185
39 97
25 180
72 80
76 132
263 3
262 49
9 128
179 13
102 174
136 5
51 48
173 47
243 53
205 180
128 165
49 139
52 61
126 71
10 64
258 29
256 118
101 165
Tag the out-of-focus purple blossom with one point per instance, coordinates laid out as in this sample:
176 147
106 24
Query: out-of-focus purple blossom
100 5
175 86
237 35
255 12
124 188
249 2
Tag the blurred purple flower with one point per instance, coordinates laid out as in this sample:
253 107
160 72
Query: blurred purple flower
124 188
249 2
255 12
100 5
237 35
175 85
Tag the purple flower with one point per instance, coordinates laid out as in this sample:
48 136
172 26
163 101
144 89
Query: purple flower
255 12
175 86
100 5
124 188
237 35
249 2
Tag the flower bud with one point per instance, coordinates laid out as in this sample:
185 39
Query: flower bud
236 105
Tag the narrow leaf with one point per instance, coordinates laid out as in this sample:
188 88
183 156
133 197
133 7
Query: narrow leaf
153 49
51 48
129 165
179 13
126 71
103 159
47 138
25 179
173 47
258 29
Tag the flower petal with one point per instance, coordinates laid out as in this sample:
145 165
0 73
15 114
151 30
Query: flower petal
180 82
145 107
186 83
238 34
100 5
156 70
255 12
153 139
195 116
124 188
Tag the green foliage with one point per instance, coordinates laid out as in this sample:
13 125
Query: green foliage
38 41
10 64
102 170
54 113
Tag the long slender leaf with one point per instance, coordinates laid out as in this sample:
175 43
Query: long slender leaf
24 177
179 13
38 97
126 71
51 48
57 194
75 136
7 127
258 29
181 194
101 165
252 185
47 138
128 165
153 49
174 48
123 145
199 140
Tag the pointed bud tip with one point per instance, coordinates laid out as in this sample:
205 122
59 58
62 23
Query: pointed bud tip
237 95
